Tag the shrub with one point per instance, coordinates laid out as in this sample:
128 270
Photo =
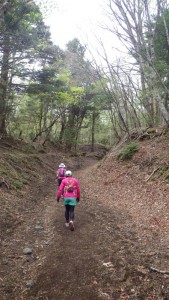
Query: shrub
128 151
18 185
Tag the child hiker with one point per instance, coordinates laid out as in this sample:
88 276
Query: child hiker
60 173
70 191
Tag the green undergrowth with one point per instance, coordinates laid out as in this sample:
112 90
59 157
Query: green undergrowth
163 172
19 169
128 151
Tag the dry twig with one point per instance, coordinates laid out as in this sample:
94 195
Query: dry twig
152 174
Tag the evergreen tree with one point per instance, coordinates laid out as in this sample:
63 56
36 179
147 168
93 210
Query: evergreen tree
22 35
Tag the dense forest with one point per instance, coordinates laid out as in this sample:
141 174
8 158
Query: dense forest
47 93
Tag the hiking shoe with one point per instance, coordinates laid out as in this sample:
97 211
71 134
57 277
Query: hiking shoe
71 226
67 224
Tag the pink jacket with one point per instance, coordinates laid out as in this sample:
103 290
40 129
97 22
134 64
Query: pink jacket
69 188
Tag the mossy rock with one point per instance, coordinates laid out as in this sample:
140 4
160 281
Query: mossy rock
151 130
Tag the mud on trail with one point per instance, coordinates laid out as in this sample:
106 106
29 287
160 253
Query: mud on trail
119 249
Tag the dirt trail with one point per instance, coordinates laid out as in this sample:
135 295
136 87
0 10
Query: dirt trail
102 259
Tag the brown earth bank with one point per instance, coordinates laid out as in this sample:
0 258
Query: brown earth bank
120 246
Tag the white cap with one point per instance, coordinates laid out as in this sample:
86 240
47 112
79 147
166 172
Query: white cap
62 165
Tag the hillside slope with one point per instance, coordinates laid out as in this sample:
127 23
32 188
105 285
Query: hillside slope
119 249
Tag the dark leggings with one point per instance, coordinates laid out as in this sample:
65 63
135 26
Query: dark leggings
60 181
69 212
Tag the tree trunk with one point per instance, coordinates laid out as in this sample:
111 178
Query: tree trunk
93 130
63 125
4 85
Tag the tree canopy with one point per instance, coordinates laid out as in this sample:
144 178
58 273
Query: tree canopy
47 93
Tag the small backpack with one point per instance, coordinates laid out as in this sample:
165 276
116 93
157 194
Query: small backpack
61 172
70 186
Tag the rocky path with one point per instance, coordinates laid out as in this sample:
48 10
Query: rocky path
106 257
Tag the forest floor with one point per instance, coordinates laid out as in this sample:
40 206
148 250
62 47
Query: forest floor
120 246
